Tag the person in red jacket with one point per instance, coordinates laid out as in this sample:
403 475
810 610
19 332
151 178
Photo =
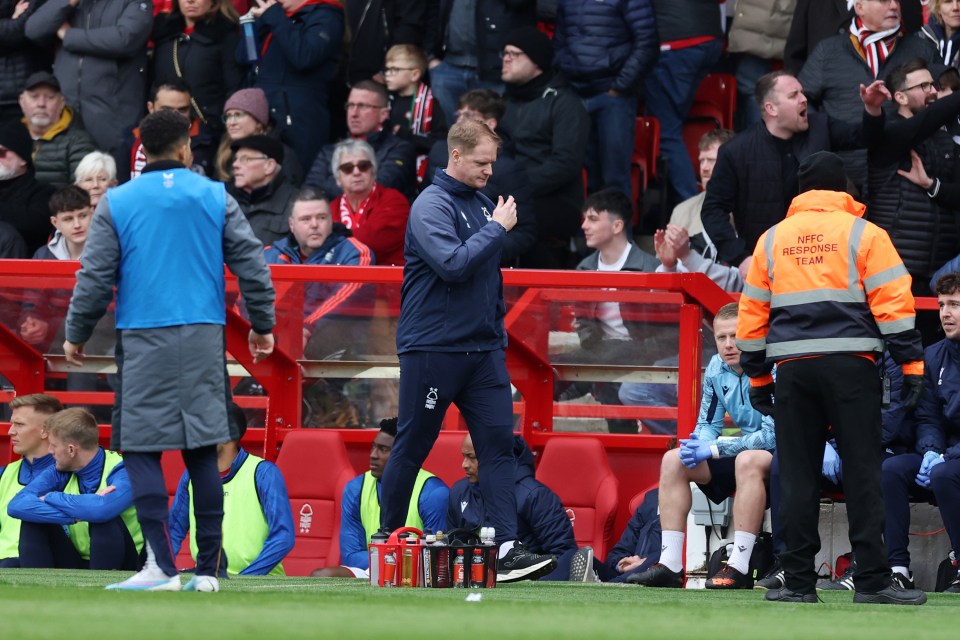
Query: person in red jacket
376 215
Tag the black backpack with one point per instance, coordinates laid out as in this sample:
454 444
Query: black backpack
760 560
946 572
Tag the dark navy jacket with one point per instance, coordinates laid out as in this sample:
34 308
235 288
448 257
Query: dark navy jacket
640 538
899 426
605 45
542 523
938 414
452 293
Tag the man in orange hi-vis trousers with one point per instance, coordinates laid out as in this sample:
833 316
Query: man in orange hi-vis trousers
825 292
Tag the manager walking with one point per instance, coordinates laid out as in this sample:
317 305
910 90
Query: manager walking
162 240
452 343
825 291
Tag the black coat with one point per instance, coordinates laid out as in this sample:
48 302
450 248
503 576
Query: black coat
19 57
26 208
749 180
207 61
549 124
377 25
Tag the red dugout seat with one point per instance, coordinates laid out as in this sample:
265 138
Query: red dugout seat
716 98
315 466
446 460
577 470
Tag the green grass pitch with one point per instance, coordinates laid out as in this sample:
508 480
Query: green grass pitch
69 605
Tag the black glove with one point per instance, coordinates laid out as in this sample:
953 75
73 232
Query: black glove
762 398
911 391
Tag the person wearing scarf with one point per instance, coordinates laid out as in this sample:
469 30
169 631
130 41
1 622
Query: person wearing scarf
943 29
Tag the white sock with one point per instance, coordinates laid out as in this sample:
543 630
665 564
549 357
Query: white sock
904 571
671 550
505 548
742 550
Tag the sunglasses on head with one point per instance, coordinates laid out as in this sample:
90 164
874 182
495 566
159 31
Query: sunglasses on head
363 165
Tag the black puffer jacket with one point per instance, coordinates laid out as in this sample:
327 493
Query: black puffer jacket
19 57
57 153
602 46
923 229
207 60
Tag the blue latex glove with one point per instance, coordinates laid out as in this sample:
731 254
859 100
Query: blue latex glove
694 451
930 460
831 464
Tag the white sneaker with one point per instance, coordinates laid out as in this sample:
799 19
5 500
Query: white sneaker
148 579
206 584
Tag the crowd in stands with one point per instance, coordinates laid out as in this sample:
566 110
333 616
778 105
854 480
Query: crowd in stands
331 118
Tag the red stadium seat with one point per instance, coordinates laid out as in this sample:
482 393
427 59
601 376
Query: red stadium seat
446 460
577 470
315 466
643 164
716 99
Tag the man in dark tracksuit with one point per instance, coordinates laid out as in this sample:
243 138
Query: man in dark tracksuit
542 522
163 239
934 468
451 340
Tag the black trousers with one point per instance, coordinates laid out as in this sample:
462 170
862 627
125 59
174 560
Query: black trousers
812 394
46 546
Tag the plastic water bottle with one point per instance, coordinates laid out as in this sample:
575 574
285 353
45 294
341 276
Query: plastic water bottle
459 570
376 539
249 38
426 567
443 562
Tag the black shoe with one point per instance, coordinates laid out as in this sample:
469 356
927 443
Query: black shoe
659 576
786 595
520 564
843 583
953 587
774 578
902 581
891 595
729 578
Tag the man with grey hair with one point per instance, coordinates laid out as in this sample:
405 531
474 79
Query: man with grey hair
376 214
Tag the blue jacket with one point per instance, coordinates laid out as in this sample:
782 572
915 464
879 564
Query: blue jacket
452 292
60 508
542 523
30 470
640 538
938 414
298 59
727 392
272 491
322 298
432 507
605 45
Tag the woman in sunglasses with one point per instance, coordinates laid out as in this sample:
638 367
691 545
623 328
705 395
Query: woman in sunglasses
376 215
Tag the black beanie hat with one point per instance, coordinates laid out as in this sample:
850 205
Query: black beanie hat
14 136
534 43
822 170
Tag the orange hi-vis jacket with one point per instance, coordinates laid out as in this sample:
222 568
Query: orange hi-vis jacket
825 281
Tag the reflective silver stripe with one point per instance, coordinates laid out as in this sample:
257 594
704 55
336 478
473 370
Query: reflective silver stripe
752 345
856 235
768 248
758 294
823 345
779 300
896 326
885 276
